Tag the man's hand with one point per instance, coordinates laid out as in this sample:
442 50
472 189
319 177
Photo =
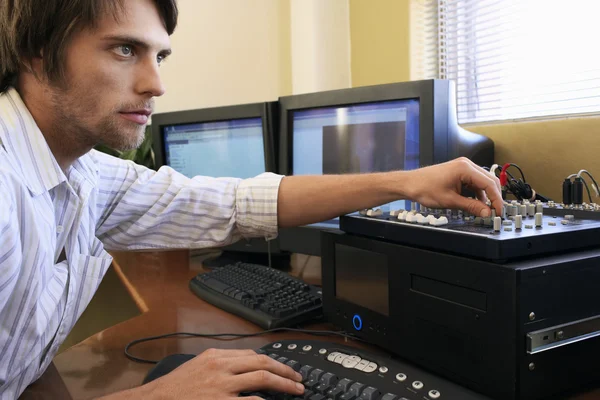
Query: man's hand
224 374
439 186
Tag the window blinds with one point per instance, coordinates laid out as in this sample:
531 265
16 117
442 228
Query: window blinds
514 59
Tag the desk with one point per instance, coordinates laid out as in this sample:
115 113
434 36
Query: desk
158 283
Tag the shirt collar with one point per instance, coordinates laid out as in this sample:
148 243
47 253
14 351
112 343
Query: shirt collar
23 140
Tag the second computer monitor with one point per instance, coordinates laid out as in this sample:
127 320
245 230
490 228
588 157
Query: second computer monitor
398 126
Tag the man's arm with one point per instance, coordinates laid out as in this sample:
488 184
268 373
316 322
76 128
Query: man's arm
308 199
140 208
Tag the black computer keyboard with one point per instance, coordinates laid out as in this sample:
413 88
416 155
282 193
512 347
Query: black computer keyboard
262 295
337 372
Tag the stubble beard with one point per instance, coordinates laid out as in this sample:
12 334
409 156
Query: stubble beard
75 113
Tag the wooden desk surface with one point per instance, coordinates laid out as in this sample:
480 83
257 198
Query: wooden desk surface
158 282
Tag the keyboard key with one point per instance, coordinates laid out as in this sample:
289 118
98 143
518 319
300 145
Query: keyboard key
316 374
344 384
370 393
329 379
305 371
356 388
216 285
295 365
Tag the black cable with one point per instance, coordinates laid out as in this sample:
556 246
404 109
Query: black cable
592 178
520 170
587 188
222 335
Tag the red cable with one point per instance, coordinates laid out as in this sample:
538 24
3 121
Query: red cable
503 178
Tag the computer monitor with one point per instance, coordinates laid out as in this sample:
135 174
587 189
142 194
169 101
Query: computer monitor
230 141
397 126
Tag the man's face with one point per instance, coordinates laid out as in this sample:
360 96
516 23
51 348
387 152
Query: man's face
111 78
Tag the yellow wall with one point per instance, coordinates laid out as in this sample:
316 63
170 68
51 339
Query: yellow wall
379 41
547 151
227 52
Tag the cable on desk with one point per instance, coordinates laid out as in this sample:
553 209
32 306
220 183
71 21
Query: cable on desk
226 335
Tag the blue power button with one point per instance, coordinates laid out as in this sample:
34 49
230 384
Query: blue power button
357 322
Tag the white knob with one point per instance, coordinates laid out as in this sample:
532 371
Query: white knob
538 219
497 223
518 222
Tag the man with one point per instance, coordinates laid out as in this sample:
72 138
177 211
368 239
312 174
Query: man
81 72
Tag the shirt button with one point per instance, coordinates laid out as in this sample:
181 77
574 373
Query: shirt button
59 229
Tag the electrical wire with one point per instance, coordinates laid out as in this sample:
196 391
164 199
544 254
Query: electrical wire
586 188
594 183
231 336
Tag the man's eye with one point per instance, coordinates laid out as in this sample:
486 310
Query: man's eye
125 50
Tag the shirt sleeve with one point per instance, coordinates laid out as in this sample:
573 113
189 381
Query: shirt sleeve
139 208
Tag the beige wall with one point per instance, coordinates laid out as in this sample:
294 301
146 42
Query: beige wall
228 52
549 150
320 45
379 37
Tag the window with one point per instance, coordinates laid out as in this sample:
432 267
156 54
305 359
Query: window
514 59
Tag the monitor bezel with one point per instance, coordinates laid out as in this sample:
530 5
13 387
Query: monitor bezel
267 111
433 115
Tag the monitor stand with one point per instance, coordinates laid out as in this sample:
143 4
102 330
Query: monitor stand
280 261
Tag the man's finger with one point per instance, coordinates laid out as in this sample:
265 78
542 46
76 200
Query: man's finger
262 362
478 180
473 206
226 353
264 380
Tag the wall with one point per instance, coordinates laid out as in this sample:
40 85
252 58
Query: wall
549 150
320 45
379 36
227 52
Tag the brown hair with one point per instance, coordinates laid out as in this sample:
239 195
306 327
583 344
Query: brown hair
30 27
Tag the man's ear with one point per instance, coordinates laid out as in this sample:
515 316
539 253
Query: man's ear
33 65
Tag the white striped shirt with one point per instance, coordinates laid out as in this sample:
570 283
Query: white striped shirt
101 202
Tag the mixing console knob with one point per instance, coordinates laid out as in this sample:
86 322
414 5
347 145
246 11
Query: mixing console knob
538 219
523 210
511 210
539 208
531 209
374 213
518 222
402 216
395 213
440 221
494 213
497 223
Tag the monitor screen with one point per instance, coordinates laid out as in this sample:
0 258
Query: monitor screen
233 148
369 137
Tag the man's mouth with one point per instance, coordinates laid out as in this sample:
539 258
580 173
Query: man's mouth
138 116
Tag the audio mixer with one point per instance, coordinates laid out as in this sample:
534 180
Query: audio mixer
524 229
